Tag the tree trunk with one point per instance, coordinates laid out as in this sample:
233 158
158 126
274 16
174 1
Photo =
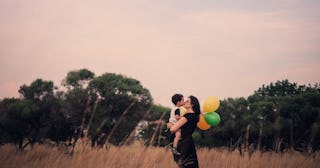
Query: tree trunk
291 136
20 144
314 130
247 137
260 136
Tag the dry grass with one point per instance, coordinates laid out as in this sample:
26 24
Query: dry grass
138 156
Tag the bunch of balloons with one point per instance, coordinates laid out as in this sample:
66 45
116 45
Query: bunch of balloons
209 117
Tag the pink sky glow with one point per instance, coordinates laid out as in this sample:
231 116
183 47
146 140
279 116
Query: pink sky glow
225 49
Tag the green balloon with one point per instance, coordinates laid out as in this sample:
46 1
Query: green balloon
212 118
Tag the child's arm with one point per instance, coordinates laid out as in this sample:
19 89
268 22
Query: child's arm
177 117
177 114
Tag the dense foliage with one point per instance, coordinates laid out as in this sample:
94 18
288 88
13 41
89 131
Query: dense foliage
278 116
102 108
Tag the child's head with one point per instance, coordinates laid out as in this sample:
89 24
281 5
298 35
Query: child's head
177 100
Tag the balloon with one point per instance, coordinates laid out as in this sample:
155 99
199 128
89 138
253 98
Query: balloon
212 118
211 104
183 111
202 124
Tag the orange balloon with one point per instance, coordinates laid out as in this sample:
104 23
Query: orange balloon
202 124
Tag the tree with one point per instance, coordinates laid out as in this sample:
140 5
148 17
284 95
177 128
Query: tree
78 78
280 88
38 90
290 110
16 120
152 129
76 103
41 94
115 93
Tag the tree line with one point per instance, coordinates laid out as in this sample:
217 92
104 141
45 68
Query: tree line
115 109
88 105
277 117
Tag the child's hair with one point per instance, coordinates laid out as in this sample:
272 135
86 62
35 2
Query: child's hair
175 98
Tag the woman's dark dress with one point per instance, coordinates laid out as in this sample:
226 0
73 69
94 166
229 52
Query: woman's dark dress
186 147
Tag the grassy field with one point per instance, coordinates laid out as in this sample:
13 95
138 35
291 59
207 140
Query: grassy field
138 156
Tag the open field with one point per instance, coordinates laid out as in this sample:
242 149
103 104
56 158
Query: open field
152 157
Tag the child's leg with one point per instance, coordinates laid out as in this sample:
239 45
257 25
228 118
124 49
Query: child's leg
177 138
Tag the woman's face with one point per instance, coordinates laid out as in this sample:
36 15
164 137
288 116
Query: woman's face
187 104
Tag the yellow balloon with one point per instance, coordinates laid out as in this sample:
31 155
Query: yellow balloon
211 104
183 111
202 124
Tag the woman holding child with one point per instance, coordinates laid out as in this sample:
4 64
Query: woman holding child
187 124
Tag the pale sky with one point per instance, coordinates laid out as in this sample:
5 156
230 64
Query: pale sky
201 47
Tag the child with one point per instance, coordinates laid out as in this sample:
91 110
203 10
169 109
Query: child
178 101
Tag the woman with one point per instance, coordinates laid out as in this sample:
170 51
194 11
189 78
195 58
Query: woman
187 124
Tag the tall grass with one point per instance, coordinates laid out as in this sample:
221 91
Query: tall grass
138 156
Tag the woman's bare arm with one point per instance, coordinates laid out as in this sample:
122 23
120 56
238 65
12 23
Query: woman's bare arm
178 125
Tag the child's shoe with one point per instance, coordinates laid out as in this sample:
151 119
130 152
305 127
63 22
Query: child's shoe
175 151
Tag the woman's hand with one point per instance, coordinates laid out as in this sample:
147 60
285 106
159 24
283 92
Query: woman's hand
175 127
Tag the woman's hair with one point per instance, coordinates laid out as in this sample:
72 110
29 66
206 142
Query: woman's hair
195 105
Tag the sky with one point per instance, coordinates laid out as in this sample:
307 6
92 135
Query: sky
203 48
